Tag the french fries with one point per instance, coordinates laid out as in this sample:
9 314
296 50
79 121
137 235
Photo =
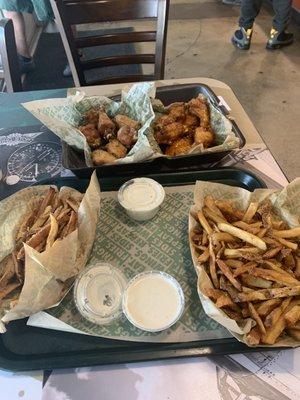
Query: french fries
253 261
50 219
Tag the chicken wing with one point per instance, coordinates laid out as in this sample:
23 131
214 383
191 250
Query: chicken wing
92 135
165 119
177 111
91 117
106 126
200 108
191 121
101 157
127 136
169 133
180 146
204 137
116 148
122 120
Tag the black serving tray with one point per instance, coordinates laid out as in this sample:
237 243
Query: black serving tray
27 348
74 159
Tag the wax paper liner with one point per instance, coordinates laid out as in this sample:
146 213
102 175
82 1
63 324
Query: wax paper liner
63 116
49 274
286 203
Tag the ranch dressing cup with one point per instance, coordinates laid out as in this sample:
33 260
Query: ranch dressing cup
153 301
141 198
98 293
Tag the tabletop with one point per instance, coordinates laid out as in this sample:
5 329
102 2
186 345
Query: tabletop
261 375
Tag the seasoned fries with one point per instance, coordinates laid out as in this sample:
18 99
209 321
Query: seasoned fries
50 219
253 261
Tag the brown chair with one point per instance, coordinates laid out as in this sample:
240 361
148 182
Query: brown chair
10 65
75 12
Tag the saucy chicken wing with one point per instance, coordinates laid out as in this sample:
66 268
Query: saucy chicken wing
204 137
200 108
169 133
179 147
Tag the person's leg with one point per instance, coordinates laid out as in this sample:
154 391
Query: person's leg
282 9
19 28
249 11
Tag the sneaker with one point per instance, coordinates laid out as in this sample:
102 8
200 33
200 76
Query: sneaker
26 64
232 2
279 39
242 38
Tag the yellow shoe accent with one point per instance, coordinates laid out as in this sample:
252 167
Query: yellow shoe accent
273 33
249 33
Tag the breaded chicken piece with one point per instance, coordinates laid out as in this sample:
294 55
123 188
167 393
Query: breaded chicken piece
101 157
177 111
122 120
127 136
191 121
169 133
180 146
200 108
165 119
91 117
203 136
116 148
92 135
106 126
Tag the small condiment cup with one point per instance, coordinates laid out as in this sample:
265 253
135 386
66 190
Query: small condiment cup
98 292
141 198
153 301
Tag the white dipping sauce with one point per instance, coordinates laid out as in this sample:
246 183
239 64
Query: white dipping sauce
141 198
153 301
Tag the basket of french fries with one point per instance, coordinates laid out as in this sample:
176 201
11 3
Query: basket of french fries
245 249
46 237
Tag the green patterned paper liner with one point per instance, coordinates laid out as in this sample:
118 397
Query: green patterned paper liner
160 244
286 203
63 116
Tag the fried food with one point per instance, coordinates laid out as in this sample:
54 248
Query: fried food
170 133
92 135
108 138
184 126
106 126
123 120
41 229
259 275
116 148
127 136
101 157
200 108
204 136
91 117
180 146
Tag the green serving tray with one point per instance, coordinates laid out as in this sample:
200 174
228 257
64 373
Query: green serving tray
27 348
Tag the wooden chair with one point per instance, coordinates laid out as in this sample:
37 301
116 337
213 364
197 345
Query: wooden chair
75 12
10 65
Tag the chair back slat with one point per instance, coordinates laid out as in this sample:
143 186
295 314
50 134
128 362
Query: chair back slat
116 38
123 79
8 52
78 12
75 12
119 60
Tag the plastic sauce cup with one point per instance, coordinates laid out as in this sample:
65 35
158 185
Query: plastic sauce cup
153 301
141 198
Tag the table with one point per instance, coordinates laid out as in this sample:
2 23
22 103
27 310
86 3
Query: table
263 375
